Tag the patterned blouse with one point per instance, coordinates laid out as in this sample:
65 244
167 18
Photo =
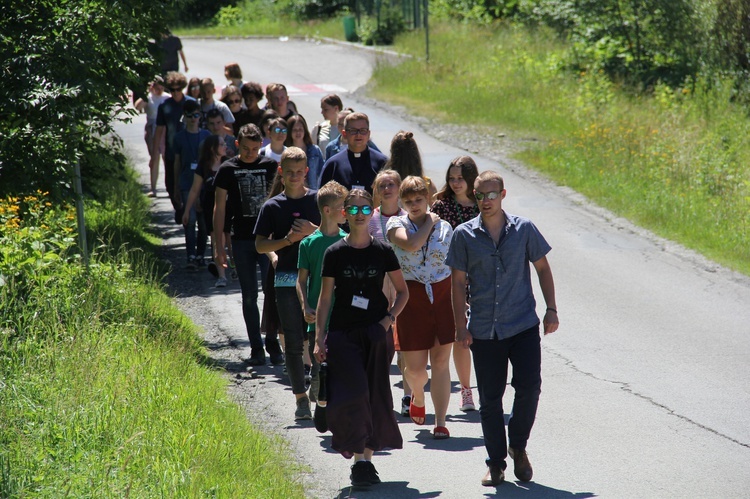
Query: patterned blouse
453 213
427 264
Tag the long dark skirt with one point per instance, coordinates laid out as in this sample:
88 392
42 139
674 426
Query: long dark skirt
360 403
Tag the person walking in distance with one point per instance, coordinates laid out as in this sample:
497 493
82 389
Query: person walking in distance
495 251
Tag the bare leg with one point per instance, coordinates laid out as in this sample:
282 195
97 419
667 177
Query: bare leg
462 361
416 375
440 380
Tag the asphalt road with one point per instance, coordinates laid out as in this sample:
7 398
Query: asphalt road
646 388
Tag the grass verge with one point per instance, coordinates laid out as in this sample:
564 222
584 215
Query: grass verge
105 388
676 162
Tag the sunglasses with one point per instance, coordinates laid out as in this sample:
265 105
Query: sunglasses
235 101
175 89
357 131
492 195
279 130
353 210
193 115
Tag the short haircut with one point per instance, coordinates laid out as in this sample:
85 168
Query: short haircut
333 100
252 88
273 87
357 193
190 106
342 115
413 186
279 122
330 193
232 70
207 81
489 176
229 91
355 117
213 113
386 172
292 155
176 80
250 132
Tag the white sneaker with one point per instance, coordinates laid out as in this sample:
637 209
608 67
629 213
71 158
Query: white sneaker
467 399
221 282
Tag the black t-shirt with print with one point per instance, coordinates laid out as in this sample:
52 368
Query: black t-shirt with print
247 186
358 273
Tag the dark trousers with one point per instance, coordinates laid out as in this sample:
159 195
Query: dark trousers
246 260
295 330
360 401
491 367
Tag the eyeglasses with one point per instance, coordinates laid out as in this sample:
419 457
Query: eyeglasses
235 101
357 131
195 87
492 195
279 130
353 210
193 115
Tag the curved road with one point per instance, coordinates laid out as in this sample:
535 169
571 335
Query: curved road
646 384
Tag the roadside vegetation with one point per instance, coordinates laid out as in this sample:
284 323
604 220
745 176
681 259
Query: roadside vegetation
105 388
642 106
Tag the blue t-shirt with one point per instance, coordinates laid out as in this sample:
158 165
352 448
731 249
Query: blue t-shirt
187 146
501 298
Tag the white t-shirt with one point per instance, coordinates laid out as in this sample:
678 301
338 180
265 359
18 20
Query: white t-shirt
268 153
152 106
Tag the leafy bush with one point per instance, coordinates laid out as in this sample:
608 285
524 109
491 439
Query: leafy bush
384 32
481 11
304 10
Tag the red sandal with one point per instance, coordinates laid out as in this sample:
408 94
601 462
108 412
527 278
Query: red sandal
416 412
441 433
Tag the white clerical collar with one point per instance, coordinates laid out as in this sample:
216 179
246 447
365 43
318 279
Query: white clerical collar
357 154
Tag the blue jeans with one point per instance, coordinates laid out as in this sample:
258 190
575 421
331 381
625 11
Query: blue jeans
491 367
247 260
195 245
295 330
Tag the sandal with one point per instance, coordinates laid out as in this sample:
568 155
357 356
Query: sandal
416 412
441 433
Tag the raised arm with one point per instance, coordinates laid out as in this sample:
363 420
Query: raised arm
412 242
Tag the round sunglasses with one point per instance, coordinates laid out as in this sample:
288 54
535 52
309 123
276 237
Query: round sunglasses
353 210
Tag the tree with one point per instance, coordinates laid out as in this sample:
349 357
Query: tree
67 68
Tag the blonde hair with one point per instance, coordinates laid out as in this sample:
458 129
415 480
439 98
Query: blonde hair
292 155
330 193
386 173
413 186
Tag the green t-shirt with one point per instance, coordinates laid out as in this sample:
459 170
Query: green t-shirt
311 250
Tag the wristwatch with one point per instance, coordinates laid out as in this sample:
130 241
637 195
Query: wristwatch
392 317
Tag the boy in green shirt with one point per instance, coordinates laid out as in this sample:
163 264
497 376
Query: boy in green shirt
311 249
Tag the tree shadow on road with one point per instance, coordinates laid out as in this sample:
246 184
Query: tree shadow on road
532 490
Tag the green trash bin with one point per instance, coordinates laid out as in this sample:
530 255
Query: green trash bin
350 29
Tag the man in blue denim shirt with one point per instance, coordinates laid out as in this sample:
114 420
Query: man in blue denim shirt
492 253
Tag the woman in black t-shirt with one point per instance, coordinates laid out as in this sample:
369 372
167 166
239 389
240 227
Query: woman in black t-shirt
360 403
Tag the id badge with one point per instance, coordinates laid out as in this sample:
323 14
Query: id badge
193 166
360 302
358 187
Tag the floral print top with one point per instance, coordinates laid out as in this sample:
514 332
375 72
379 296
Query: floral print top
453 213
427 264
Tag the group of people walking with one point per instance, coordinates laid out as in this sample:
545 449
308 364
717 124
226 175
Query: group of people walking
367 260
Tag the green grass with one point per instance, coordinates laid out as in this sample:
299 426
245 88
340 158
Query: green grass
677 162
105 388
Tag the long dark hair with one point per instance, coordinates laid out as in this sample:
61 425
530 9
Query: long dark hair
209 151
405 157
290 125
469 172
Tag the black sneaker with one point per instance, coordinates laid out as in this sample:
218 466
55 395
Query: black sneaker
374 478
257 359
200 262
308 376
213 269
360 475
277 359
